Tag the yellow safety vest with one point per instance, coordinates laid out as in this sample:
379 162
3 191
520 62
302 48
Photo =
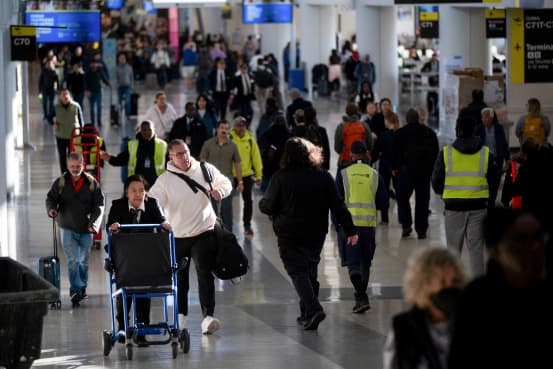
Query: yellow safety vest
160 151
465 174
360 186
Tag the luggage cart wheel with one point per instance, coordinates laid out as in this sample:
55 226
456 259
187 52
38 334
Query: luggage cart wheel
175 349
107 341
184 340
128 351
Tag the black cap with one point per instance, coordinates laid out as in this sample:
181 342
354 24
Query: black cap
358 147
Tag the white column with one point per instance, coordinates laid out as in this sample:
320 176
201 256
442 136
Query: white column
376 37
327 32
274 38
310 49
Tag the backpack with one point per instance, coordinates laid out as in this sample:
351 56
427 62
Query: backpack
533 128
352 131
263 78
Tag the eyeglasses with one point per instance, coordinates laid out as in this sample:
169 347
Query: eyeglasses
180 154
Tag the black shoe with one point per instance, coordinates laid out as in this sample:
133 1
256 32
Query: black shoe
361 305
313 323
76 299
84 295
421 235
301 319
406 232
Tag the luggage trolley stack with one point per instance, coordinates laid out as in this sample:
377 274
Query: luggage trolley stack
87 141
142 264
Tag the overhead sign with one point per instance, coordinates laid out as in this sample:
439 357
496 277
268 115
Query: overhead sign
65 26
429 21
531 45
23 43
496 23
446 1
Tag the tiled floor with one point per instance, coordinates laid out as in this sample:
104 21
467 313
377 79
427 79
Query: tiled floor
258 316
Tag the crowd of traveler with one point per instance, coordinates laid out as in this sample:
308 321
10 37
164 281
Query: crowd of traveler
288 157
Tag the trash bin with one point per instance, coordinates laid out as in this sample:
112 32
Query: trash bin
296 79
24 297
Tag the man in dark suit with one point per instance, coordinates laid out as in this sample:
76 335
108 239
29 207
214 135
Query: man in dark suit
220 84
135 208
191 129
243 93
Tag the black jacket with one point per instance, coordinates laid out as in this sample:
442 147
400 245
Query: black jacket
473 110
413 340
415 150
77 211
146 149
466 146
299 200
195 130
376 123
213 82
119 212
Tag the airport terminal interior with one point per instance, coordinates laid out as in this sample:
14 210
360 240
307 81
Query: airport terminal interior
258 314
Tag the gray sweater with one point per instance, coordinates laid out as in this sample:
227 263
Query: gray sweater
124 75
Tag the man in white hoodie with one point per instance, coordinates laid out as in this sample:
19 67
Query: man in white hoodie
193 220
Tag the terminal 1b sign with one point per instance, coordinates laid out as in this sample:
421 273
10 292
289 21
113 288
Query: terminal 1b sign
531 45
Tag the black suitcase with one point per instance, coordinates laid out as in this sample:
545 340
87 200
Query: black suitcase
49 268
114 115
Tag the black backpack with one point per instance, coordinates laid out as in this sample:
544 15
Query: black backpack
263 77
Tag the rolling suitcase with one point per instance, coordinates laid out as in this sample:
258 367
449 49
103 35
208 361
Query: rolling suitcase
49 268
114 115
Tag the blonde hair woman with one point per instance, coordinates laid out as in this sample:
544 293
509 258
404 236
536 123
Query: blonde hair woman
420 336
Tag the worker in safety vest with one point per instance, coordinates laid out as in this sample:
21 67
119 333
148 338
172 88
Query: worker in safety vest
144 155
467 177
363 191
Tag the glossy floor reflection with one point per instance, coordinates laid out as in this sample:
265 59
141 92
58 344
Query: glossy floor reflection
258 316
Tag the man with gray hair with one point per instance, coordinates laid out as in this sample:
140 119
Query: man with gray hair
77 202
492 134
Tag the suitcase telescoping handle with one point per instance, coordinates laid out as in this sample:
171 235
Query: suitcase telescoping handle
55 237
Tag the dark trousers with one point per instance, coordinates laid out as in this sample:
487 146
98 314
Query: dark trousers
220 101
358 258
406 186
432 104
161 75
244 107
202 250
63 148
48 96
388 179
142 311
301 259
248 201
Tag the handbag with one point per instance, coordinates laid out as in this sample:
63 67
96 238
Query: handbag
230 260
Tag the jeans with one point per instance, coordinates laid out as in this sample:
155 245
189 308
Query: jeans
95 100
124 94
48 96
76 247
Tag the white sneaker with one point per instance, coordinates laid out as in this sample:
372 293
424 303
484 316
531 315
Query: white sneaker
210 325
182 321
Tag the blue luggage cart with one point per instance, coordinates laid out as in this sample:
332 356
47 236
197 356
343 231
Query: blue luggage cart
142 264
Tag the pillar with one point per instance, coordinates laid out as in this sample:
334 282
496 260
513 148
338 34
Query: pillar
376 37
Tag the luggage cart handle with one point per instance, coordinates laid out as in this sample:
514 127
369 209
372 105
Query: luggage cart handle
141 226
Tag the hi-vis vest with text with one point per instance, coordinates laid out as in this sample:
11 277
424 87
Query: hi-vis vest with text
465 174
360 186
159 156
